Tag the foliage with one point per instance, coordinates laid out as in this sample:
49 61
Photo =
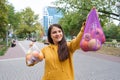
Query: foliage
3 18
13 17
3 48
21 23
28 23
76 11
105 7
112 31
71 23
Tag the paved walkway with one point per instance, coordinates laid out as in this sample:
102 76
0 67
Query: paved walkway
103 56
17 52
88 66
13 52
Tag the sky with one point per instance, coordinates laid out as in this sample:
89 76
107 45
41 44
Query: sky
36 5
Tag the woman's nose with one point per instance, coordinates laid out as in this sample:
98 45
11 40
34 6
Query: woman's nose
57 33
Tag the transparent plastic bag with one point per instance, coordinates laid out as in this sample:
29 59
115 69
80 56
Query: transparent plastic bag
93 36
32 56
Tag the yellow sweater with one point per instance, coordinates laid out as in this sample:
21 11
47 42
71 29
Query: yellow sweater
56 70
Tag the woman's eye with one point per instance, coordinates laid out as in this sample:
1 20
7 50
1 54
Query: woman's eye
59 31
53 32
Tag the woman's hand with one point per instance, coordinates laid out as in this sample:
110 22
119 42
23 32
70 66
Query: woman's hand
83 26
38 55
29 61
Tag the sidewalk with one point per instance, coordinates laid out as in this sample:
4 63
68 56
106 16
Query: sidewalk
17 52
87 66
13 52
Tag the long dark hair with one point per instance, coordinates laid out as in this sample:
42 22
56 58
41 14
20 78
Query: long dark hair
63 52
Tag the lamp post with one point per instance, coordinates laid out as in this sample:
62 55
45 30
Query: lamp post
7 34
117 4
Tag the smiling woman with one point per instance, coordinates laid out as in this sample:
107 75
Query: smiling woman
58 55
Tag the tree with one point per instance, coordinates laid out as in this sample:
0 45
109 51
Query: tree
76 11
104 7
28 23
112 31
13 17
3 18
71 23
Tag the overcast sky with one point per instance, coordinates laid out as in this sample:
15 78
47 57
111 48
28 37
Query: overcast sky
36 5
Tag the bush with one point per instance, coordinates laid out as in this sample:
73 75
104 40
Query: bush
110 40
3 48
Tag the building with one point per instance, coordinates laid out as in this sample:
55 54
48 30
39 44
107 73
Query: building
51 15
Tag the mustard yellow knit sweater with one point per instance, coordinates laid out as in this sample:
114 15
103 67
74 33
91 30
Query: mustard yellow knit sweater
56 70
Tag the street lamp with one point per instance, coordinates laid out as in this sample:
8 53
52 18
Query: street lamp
7 34
117 4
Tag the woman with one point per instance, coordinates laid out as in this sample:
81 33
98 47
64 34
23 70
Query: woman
58 54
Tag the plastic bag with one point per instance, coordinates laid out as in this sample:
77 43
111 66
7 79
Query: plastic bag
93 36
33 55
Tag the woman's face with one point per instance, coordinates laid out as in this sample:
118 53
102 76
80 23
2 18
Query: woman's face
56 34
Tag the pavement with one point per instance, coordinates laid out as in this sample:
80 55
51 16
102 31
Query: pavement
18 52
103 56
13 52
87 66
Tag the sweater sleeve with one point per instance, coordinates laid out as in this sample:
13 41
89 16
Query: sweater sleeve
75 43
43 51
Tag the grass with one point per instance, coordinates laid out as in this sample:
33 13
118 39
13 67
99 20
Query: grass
110 51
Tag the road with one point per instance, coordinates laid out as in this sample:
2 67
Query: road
87 66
